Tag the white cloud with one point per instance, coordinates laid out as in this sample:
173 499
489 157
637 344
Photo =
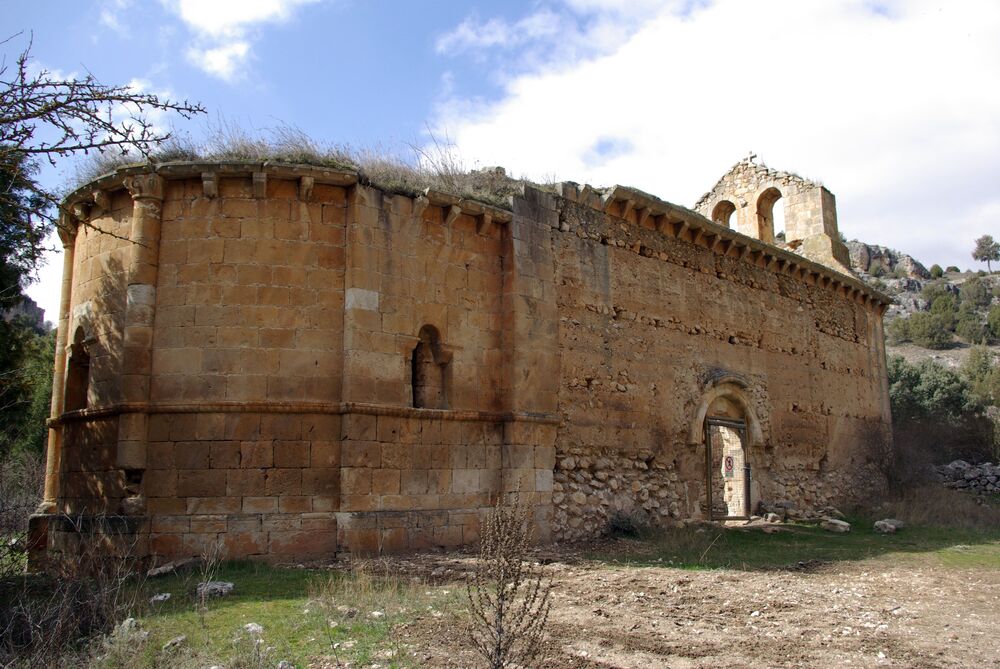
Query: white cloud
229 18
222 61
471 34
892 104
564 33
223 30
110 15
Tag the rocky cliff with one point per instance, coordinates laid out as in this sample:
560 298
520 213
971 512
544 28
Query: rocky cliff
882 261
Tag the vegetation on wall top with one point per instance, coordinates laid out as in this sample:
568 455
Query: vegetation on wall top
437 168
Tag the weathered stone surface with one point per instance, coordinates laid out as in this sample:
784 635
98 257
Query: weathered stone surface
834 525
866 257
214 588
744 199
130 630
294 368
980 479
888 525
168 568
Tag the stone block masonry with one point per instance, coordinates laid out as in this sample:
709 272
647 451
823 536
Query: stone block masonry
293 363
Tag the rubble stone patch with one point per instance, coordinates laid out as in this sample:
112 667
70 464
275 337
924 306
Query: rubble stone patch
980 479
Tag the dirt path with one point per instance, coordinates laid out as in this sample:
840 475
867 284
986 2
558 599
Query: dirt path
851 614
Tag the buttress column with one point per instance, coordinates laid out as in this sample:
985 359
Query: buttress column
53 455
140 310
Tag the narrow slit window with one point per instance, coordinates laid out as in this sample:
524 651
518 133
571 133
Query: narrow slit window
429 367
77 389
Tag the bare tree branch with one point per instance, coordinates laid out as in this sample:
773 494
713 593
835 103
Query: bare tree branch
45 117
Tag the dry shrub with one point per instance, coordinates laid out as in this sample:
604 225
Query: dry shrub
208 568
508 596
46 619
251 652
933 505
124 648
22 478
345 596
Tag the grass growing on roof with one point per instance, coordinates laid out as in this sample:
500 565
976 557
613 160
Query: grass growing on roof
438 167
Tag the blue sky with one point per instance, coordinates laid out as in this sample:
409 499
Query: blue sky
894 105
363 72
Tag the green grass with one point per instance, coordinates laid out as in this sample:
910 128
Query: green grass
13 560
712 548
305 614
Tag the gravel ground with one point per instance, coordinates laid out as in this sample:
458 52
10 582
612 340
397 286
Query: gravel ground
870 613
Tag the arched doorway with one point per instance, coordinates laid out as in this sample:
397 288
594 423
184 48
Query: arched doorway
727 428
728 471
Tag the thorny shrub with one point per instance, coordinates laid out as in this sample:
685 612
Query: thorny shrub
21 480
46 619
508 596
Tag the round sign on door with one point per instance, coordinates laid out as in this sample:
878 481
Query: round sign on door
727 466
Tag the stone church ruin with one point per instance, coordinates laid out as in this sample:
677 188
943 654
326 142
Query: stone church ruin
290 362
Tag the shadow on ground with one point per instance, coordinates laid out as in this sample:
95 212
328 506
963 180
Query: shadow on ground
797 547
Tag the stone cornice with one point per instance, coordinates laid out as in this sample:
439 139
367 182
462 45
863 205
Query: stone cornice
196 169
301 407
679 222
308 176
619 201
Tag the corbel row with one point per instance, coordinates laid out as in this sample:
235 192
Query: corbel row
680 223
451 206
454 206
210 185
306 176
82 211
85 206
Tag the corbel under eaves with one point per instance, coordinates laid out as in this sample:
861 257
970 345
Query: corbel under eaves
210 184
420 205
484 223
102 201
306 184
260 185
452 214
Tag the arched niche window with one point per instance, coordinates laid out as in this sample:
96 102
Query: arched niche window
723 213
75 396
430 372
771 216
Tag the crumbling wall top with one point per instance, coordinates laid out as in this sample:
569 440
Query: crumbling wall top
751 169
745 199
